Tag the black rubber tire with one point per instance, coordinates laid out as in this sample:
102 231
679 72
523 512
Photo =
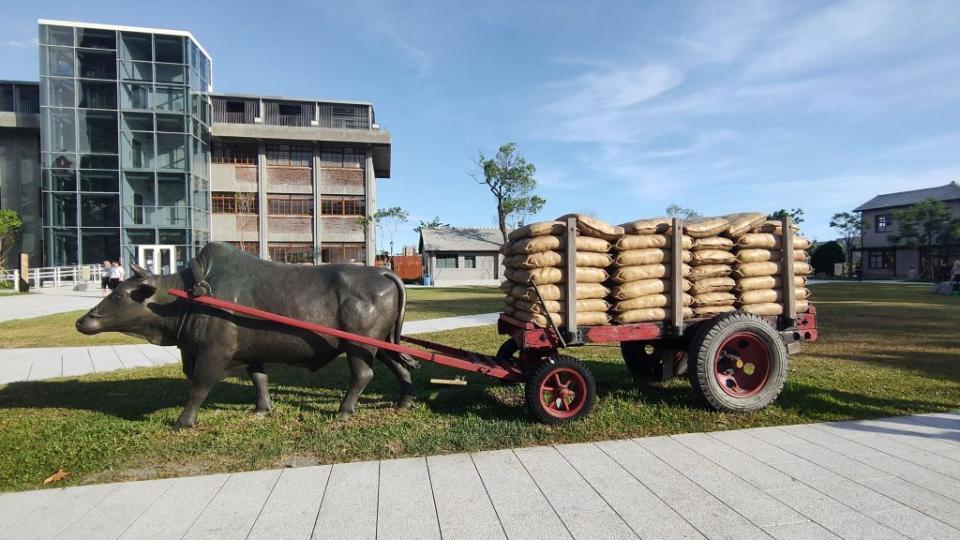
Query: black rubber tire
648 366
545 370
703 352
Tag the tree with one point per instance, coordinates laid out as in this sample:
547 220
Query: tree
850 227
826 255
10 225
245 204
434 223
386 222
795 214
928 227
677 211
510 179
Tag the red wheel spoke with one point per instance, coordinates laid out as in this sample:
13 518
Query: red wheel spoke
556 377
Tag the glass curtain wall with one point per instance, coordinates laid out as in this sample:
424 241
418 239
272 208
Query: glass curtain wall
125 135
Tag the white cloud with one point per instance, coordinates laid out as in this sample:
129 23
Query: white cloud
615 88
22 44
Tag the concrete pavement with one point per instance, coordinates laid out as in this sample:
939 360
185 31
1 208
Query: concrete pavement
886 478
37 364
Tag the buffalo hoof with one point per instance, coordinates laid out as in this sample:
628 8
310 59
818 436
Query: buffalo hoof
179 426
344 416
406 402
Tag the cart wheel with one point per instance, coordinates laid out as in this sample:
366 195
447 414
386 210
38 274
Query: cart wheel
739 363
560 390
645 360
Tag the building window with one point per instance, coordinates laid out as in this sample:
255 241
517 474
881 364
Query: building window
347 158
882 223
446 261
235 107
245 154
290 205
289 155
881 259
252 248
469 261
291 252
343 252
228 202
343 205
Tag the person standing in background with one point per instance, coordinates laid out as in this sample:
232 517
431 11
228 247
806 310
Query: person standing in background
114 275
104 278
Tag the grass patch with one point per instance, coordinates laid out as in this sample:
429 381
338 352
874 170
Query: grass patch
884 351
422 303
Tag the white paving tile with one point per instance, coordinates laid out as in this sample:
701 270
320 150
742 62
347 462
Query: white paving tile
898 448
48 367
349 508
76 361
173 512
291 510
155 354
405 506
521 506
581 508
117 511
131 356
232 511
55 511
463 507
104 359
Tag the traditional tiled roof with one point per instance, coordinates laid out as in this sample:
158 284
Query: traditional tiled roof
460 239
948 192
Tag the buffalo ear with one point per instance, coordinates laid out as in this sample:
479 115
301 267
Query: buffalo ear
145 290
139 271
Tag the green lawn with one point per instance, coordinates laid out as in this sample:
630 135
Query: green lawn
422 303
884 350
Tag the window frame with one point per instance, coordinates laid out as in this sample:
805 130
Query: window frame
882 227
881 259
447 257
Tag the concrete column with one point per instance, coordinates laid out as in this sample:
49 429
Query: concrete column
370 195
262 199
317 218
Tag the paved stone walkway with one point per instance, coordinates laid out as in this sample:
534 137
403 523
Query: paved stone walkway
37 364
887 478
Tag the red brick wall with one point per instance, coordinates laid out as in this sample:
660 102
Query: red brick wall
297 176
334 178
340 224
247 223
245 173
290 224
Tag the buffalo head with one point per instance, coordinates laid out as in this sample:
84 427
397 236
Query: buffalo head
126 309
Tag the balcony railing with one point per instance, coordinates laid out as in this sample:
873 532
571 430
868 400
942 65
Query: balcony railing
271 112
19 98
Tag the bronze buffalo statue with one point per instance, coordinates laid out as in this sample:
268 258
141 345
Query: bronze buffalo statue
359 299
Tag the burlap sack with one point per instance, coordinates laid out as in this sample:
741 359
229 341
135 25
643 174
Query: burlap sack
773 309
709 271
509 300
635 257
769 269
761 255
767 282
558 243
773 226
649 301
544 259
741 224
713 242
587 318
591 226
714 284
704 227
626 274
649 315
647 241
542 228
557 306
658 225
711 311
643 287
507 285
558 291
769 241
713 299
712 256
770 296
546 276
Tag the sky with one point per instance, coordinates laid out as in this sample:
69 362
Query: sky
624 107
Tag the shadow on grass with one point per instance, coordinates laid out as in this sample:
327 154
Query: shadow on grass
933 364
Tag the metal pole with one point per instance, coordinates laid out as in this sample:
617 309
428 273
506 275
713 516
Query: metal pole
571 271
676 277
788 289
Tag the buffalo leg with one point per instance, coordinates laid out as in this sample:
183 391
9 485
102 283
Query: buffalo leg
361 372
207 372
407 394
258 374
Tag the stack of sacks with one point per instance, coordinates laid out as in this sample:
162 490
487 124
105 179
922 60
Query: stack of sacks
712 265
641 271
536 257
758 270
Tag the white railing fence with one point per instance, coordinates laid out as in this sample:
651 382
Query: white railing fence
54 276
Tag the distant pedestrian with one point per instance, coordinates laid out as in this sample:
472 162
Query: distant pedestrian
104 278
955 272
116 275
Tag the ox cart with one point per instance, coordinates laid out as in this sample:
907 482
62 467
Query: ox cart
737 361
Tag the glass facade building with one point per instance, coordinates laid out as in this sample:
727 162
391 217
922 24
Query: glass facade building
125 117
